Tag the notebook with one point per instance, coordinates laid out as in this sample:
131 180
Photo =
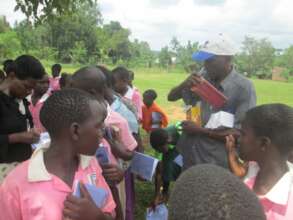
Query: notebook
98 195
210 94
143 165
159 213
156 119
221 119
102 155
179 160
44 138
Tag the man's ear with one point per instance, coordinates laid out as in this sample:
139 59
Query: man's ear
75 131
264 143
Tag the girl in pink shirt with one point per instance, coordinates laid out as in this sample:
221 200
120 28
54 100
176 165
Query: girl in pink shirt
265 143
44 187
39 96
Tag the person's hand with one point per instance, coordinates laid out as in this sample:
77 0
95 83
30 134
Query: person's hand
112 134
192 80
190 127
27 137
112 173
82 208
230 143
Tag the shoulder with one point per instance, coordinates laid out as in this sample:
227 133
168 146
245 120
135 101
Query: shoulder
17 177
242 82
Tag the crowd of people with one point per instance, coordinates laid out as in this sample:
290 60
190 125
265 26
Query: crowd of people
242 171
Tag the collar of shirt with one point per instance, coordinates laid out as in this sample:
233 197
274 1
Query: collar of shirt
129 93
37 170
279 193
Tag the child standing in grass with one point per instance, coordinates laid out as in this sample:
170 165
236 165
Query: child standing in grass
42 187
153 115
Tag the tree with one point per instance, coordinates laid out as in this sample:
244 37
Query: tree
4 25
257 57
165 57
40 10
10 45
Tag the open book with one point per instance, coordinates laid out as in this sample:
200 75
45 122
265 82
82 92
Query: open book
144 165
99 195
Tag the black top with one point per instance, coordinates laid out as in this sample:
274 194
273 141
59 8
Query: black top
13 121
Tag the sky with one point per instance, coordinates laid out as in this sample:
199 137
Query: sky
157 21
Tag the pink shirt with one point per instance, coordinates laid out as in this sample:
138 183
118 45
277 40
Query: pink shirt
54 83
134 95
278 202
115 119
30 192
35 112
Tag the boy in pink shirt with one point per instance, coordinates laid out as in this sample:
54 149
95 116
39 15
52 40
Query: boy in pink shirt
43 187
38 97
266 141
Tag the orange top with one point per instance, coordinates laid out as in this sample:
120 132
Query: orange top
147 117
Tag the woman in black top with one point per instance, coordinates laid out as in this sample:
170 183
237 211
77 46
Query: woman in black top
16 127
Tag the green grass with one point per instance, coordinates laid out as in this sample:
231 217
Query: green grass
162 81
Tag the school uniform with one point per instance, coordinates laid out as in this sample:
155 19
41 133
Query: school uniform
278 202
30 192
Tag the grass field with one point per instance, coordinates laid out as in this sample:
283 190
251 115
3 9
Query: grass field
162 81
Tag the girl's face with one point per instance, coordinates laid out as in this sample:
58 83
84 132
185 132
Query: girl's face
21 88
91 131
120 85
42 85
249 144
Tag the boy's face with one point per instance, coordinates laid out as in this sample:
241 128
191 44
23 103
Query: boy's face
91 131
147 100
120 85
163 149
21 88
42 85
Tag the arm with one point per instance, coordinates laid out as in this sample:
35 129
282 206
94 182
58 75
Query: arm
236 167
176 93
119 150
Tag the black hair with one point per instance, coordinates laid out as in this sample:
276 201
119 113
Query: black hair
90 78
57 67
274 121
27 66
122 73
9 66
108 75
150 93
65 107
158 138
209 192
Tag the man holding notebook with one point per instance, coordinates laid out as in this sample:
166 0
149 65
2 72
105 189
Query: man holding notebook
221 96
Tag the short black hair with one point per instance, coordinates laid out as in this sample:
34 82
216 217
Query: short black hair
57 67
9 66
158 138
65 107
90 78
108 75
274 121
150 93
2 75
27 66
209 192
122 73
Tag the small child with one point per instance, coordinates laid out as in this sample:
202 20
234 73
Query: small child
54 80
42 187
153 115
163 141
265 145
38 97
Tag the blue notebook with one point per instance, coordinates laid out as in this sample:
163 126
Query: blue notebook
160 213
143 165
179 160
44 138
102 155
99 195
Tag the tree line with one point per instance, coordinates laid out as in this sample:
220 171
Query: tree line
74 32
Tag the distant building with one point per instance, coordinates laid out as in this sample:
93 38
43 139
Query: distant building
277 74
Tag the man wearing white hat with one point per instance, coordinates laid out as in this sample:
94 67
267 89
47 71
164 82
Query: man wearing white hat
199 144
